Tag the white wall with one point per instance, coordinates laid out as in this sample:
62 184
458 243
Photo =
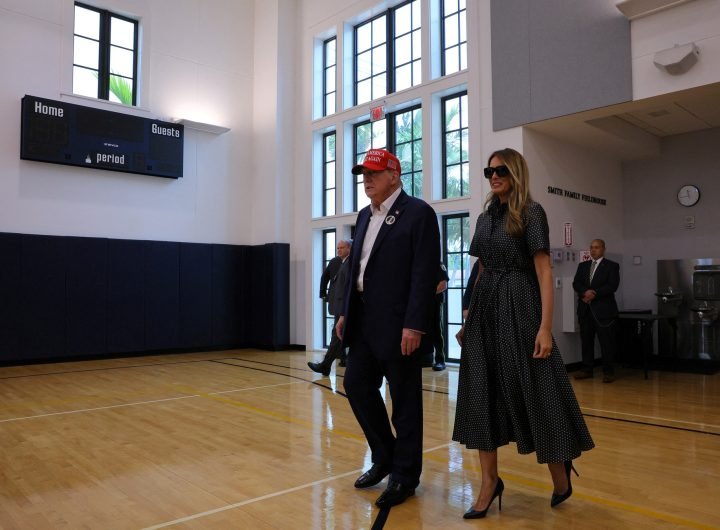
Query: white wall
196 63
655 221
558 164
696 22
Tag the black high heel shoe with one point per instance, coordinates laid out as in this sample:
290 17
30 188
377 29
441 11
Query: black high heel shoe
475 514
557 498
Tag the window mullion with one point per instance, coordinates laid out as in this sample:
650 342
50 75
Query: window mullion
390 52
104 63
390 132
355 66
324 78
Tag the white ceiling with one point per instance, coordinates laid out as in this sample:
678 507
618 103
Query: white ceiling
633 130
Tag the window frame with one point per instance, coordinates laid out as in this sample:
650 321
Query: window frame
326 67
325 163
459 45
392 130
465 274
390 145
444 133
327 334
390 47
104 48
357 179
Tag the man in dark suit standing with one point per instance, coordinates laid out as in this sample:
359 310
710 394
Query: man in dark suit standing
436 332
386 319
595 282
335 300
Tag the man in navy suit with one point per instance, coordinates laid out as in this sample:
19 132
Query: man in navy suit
385 321
595 282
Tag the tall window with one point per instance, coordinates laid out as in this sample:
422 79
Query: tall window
454 36
329 77
329 252
371 57
456 244
407 134
456 167
329 174
401 133
368 135
105 55
388 54
407 46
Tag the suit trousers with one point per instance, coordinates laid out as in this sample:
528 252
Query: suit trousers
605 330
436 333
335 349
401 453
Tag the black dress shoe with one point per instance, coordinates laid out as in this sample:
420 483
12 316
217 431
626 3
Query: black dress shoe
396 493
319 368
439 367
371 477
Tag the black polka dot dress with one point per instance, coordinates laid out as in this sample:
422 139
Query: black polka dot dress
504 395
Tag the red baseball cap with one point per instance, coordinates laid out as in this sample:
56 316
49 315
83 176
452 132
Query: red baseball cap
378 160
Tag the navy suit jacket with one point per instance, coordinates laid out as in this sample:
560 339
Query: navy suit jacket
400 277
605 282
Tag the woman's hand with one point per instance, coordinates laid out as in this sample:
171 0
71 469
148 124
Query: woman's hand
543 344
339 327
459 335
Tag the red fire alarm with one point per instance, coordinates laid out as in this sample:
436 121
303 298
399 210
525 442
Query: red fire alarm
377 113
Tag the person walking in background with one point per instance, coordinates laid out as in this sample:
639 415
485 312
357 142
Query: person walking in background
595 283
512 384
437 338
386 320
335 298
332 268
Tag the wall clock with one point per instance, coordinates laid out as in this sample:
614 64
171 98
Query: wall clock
688 195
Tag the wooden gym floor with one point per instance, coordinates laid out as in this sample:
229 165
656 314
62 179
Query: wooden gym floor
254 440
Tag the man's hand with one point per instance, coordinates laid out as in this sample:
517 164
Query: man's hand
588 296
339 327
410 340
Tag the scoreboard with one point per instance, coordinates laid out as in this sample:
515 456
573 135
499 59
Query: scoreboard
63 133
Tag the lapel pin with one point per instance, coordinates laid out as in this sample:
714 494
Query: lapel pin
390 219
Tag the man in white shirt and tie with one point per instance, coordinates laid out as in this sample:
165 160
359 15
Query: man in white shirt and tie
595 283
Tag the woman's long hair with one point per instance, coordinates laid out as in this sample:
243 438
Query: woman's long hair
519 196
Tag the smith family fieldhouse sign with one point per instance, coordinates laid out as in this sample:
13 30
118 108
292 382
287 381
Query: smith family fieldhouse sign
575 195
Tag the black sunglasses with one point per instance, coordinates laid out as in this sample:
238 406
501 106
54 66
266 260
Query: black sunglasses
502 171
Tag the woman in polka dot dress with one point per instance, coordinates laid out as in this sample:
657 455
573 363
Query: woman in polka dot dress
513 386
